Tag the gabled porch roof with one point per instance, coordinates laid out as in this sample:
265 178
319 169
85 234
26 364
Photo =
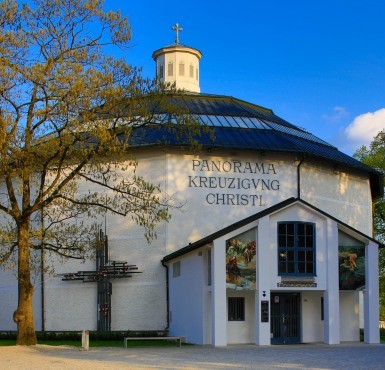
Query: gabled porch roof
210 238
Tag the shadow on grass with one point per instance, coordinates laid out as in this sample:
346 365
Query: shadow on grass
98 343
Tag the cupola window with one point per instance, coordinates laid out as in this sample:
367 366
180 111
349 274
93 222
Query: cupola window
170 69
181 69
161 71
197 74
191 71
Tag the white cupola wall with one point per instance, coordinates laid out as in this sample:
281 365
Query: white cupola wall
178 64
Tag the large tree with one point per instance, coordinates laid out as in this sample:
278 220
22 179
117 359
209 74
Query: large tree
374 156
67 108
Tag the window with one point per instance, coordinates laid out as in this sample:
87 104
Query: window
236 309
209 267
191 71
170 69
176 269
296 248
197 75
161 73
181 69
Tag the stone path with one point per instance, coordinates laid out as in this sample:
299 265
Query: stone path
302 356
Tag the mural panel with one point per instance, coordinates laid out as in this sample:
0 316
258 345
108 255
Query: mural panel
241 261
351 261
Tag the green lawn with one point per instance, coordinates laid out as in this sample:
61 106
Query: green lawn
96 343
116 343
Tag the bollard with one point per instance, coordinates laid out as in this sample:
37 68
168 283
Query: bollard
86 339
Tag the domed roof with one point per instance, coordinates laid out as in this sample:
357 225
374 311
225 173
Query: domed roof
237 124
176 47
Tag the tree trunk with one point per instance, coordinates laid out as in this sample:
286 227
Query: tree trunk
23 316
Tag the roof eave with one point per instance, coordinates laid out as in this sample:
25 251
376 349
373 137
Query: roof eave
210 238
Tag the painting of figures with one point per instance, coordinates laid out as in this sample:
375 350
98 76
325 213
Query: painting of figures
352 267
241 262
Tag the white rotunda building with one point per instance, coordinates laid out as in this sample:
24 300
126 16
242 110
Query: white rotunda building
273 244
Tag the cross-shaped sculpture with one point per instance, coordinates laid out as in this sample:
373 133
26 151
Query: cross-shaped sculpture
104 272
176 28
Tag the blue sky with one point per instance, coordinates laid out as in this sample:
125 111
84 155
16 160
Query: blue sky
317 64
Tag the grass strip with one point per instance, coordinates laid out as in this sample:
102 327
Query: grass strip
97 343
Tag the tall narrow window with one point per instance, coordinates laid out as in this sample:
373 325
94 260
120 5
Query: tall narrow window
296 248
181 69
236 309
197 74
170 69
191 71
209 267
161 71
176 269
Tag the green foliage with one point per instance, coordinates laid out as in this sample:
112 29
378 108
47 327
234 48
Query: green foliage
382 335
374 156
98 343
97 339
67 110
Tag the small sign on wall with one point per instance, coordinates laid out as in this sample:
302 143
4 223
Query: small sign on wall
276 299
264 311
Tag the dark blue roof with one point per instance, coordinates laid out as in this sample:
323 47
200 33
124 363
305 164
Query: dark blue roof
237 124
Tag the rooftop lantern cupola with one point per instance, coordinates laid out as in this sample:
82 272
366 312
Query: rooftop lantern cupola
178 64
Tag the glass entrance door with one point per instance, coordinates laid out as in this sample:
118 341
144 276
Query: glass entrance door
285 317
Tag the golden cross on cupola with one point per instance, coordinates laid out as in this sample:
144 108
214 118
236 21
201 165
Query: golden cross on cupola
176 28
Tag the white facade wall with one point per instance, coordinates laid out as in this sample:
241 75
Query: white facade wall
218 294
339 320
187 298
139 303
71 307
189 179
349 316
263 276
242 331
8 278
371 295
301 214
8 300
312 327
345 196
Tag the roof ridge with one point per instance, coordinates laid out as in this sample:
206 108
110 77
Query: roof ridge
256 216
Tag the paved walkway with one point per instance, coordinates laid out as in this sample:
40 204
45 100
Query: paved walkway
302 356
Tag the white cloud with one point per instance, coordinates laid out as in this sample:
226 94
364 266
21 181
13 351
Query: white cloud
339 113
364 128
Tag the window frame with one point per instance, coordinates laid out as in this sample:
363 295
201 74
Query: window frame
170 69
181 68
161 71
176 269
191 71
296 249
236 309
209 267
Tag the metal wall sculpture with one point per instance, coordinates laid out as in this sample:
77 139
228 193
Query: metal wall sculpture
103 274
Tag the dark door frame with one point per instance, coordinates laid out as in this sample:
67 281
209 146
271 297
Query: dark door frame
285 317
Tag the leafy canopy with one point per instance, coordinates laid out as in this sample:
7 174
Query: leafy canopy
374 156
67 108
